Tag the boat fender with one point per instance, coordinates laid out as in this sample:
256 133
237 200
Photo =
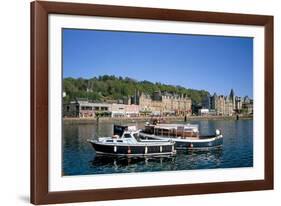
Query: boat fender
145 151
129 150
191 145
160 149
218 132
115 148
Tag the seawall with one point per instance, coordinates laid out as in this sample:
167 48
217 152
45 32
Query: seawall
144 119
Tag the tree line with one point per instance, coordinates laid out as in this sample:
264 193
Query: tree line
110 87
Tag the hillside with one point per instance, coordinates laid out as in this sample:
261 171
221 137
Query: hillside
112 88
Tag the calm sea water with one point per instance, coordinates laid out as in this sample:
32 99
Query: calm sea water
79 157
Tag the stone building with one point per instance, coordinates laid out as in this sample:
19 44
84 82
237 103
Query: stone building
228 105
223 105
163 103
238 104
124 110
247 105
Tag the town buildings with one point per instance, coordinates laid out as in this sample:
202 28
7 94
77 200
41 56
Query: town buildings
227 105
163 103
160 104
140 104
85 108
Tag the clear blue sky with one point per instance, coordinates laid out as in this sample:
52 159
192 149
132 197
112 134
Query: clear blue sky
212 63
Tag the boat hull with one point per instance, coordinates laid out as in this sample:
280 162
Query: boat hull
134 150
200 145
183 144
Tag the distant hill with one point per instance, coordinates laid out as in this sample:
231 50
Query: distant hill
109 87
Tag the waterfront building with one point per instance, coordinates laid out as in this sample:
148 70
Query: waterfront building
83 108
118 110
162 104
238 104
132 110
124 110
228 105
220 105
247 105
203 112
145 104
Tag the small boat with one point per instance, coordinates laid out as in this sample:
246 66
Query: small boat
126 141
186 136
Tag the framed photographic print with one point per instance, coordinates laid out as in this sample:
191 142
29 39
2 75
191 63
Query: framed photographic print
131 102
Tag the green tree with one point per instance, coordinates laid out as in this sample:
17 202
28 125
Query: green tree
111 87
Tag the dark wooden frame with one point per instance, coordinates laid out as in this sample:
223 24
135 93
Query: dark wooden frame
39 102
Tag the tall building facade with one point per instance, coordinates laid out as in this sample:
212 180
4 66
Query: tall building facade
163 103
228 105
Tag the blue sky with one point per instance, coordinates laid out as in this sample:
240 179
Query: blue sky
212 63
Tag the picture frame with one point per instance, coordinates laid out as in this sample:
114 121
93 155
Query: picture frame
40 146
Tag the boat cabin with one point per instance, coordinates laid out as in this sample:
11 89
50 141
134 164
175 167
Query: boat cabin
120 129
128 137
173 130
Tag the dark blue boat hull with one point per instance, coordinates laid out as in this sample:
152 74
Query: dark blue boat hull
132 150
199 145
180 144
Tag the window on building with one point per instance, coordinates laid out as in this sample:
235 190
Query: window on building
86 108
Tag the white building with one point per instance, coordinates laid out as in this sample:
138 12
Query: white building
203 112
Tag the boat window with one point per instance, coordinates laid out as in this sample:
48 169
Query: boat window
127 136
119 140
109 140
136 135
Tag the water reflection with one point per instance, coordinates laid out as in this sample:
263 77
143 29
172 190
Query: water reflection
123 161
80 158
194 159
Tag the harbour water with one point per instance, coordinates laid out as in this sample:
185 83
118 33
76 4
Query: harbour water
79 157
